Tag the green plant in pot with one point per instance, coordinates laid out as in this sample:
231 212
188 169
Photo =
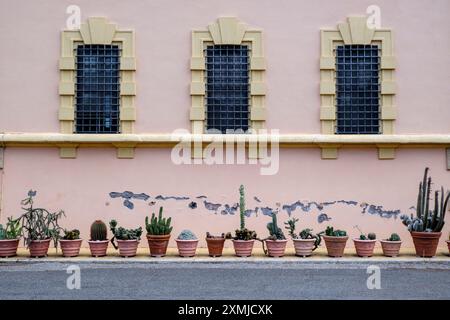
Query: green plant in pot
39 226
127 239
305 242
391 246
335 241
426 226
244 238
276 242
365 244
70 243
9 237
187 243
158 233
98 242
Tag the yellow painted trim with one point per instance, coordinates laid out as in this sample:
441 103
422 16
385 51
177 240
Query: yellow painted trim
355 31
227 30
96 30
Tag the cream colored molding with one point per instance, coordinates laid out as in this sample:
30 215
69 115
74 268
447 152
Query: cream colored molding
355 31
227 30
97 30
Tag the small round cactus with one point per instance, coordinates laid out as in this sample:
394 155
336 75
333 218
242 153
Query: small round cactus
98 231
394 237
186 235
372 236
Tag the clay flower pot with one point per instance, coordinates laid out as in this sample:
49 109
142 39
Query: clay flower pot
8 248
215 246
98 248
127 248
448 245
391 248
364 248
70 248
158 244
304 247
276 248
335 245
426 243
186 248
243 248
39 248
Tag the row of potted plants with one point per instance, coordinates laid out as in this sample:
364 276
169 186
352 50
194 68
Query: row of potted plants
38 227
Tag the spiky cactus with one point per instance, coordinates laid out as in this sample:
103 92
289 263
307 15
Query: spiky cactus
98 231
242 206
394 237
275 232
426 219
158 225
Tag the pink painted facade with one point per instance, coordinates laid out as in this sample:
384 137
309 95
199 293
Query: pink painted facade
368 192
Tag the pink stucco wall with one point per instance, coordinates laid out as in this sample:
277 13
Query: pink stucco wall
30 41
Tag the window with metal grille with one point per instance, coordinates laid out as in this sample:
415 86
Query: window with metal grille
227 87
357 89
97 89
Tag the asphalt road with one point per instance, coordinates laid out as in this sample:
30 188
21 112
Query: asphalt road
206 281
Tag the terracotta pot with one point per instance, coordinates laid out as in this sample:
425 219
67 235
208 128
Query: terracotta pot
127 248
276 248
364 248
335 245
448 245
243 248
186 248
215 246
303 247
70 248
158 244
426 243
391 248
98 248
8 248
39 248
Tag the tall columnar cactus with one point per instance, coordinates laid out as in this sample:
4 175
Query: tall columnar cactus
275 232
242 206
158 225
2 233
98 231
426 219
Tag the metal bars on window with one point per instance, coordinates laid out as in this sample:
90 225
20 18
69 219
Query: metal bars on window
97 89
358 89
227 88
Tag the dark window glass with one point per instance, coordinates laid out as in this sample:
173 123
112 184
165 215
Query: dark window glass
227 87
97 89
357 89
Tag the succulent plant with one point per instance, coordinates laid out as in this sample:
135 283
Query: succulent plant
275 232
158 225
304 234
12 230
369 236
243 233
222 236
71 234
290 225
2 233
394 237
329 231
187 235
372 236
428 220
98 231
120 233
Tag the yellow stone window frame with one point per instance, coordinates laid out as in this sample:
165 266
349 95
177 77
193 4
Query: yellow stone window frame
97 30
227 30
356 31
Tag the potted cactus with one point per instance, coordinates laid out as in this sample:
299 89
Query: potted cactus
335 241
187 243
158 233
215 243
305 242
365 244
9 238
426 227
276 242
98 244
127 239
70 243
391 246
39 227
244 239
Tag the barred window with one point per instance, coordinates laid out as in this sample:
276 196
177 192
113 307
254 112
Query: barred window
97 89
357 89
227 87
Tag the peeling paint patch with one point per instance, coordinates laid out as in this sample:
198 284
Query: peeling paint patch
348 202
378 210
201 197
323 217
128 195
160 197
211 206
257 199
230 209
267 211
249 212
193 205
127 203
